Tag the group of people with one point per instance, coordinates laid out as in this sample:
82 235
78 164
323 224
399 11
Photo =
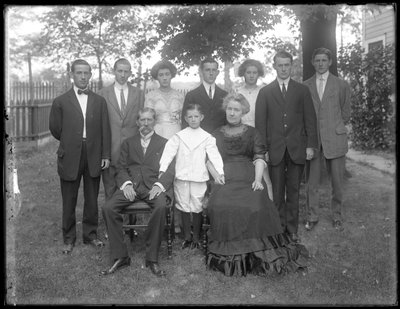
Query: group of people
246 150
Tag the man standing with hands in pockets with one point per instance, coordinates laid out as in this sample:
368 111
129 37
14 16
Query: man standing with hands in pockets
286 119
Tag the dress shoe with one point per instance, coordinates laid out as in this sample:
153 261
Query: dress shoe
310 225
155 268
294 237
67 249
337 224
95 242
118 264
186 244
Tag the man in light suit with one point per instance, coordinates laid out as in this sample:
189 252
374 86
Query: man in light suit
123 104
286 119
209 96
331 97
79 120
138 179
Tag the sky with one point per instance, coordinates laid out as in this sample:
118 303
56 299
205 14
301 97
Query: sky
282 30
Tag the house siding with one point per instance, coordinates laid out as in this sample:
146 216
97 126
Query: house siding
379 25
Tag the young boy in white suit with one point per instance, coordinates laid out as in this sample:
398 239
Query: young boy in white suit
191 148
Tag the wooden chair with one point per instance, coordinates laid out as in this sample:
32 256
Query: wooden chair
141 207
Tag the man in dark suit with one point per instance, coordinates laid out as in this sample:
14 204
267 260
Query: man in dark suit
286 118
123 104
209 96
79 120
138 179
331 97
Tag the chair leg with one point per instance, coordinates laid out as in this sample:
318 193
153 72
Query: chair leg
131 231
169 232
204 228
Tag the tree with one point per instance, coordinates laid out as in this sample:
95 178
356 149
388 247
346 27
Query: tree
99 32
225 32
318 28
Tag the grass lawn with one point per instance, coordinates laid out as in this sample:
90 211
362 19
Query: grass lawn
357 266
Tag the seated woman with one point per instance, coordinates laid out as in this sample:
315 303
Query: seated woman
245 233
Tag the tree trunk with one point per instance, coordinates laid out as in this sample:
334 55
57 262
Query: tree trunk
31 91
318 31
100 77
227 79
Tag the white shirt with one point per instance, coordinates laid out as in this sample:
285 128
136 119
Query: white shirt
190 148
318 80
283 81
207 87
117 89
82 99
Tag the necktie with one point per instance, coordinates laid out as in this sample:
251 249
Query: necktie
321 88
85 91
283 90
123 103
210 93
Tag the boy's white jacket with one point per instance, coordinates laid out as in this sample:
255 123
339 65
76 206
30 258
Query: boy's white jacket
191 147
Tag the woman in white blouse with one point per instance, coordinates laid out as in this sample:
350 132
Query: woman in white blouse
250 70
166 101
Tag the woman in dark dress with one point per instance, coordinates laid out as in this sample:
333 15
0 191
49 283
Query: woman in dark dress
246 234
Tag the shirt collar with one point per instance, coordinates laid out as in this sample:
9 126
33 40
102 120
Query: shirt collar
207 86
146 137
324 76
76 89
280 81
119 86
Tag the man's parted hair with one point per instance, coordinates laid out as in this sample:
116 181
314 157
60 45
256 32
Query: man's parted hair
207 60
321 51
122 61
80 62
283 54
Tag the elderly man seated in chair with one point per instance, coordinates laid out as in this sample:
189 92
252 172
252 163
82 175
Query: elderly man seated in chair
137 179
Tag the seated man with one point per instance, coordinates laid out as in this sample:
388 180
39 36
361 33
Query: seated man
137 179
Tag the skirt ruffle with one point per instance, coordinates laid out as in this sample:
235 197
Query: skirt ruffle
282 256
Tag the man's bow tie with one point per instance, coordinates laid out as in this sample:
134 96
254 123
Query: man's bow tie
86 91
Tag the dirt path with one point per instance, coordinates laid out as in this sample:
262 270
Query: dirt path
355 266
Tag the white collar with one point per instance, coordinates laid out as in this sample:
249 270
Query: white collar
285 81
324 76
146 137
193 137
76 89
207 86
119 86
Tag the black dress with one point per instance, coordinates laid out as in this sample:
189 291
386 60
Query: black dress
246 233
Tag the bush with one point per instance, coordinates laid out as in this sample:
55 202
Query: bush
372 80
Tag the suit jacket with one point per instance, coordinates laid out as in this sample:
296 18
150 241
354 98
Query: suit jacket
333 112
143 169
286 123
125 126
66 125
214 115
